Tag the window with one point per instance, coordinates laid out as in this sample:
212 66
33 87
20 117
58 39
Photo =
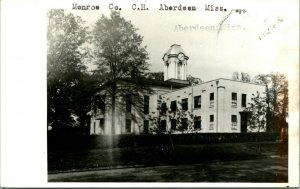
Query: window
197 101
184 123
211 96
163 125
234 100
211 124
94 127
211 99
128 103
146 126
184 104
197 122
244 100
173 106
128 126
102 104
211 118
146 104
163 108
102 122
173 124
233 122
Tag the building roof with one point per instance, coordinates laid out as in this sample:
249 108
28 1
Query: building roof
156 83
175 50
188 86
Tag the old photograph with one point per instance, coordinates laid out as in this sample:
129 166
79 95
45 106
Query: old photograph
180 92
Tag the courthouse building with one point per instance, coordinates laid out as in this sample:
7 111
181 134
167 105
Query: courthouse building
176 106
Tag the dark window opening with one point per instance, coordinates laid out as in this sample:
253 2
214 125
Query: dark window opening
173 124
197 101
211 118
102 122
128 103
94 127
184 123
197 122
173 106
233 122
234 99
234 96
212 96
146 104
146 126
163 125
128 126
184 104
163 108
244 100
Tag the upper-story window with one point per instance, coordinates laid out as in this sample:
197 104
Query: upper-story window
244 100
128 103
163 108
234 100
184 104
197 101
173 106
146 104
211 100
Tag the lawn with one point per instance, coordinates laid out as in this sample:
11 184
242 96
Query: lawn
67 160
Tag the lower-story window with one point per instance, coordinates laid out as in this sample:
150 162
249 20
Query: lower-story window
163 125
102 123
184 123
211 122
128 126
146 126
197 122
233 122
173 124
94 127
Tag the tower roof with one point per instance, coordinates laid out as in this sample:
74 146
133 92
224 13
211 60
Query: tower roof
175 50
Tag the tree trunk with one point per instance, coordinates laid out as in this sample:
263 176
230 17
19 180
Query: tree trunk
268 116
113 108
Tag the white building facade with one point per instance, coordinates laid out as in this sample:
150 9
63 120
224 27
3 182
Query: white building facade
215 106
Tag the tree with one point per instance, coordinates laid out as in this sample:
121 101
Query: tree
119 53
178 115
276 99
257 112
194 80
244 77
158 76
65 68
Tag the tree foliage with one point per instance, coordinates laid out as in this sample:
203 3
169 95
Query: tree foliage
68 84
257 112
194 80
276 99
244 77
158 76
120 55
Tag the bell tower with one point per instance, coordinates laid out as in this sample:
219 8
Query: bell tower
175 63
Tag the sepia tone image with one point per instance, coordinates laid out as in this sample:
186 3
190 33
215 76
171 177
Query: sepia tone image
169 93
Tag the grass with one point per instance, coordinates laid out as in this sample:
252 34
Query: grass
66 160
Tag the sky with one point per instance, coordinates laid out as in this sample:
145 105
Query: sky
256 41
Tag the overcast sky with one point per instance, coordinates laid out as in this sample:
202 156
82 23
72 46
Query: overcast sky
214 55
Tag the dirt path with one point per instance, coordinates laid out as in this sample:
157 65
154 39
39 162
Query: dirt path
272 169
